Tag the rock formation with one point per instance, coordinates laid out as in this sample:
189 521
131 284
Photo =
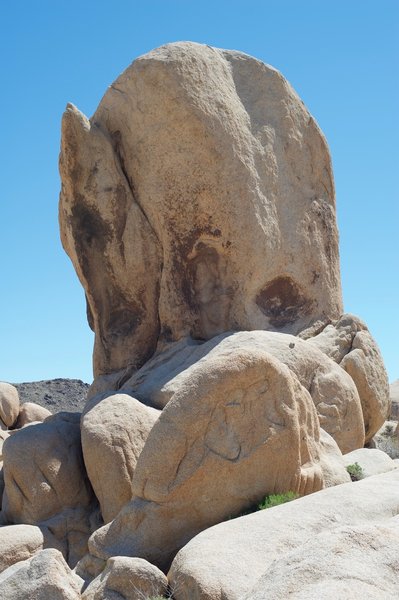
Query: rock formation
198 209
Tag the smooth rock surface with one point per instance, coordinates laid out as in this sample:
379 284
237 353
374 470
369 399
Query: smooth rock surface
348 563
227 560
240 427
114 430
371 460
45 576
350 344
127 578
199 198
9 404
30 412
332 390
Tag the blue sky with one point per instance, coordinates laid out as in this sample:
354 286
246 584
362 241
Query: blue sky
340 56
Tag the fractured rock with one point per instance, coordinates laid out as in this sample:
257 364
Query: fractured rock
199 198
332 390
114 430
45 480
240 427
350 344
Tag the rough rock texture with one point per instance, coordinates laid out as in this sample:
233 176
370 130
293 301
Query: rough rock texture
114 430
227 560
45 480
31 413
350 344
240 427
9 404
130 578
57 395
44 576
19 542
332 462
371 460
349 563
333 391
394 395
198 198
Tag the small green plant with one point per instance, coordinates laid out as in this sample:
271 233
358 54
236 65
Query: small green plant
388 429
355 471
276 499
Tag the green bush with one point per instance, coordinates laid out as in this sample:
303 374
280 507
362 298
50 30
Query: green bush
276 499
355 471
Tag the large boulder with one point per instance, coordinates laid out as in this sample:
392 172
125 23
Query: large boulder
350 344
371 461
19 542
348 563
30 412
227 560
332 390
44 576
46 482
199 198
114 430
9 404
240 427
127 578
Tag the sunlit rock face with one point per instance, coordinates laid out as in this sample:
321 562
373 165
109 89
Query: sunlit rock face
198 199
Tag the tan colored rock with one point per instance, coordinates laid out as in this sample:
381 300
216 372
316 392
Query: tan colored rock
89 567
9 404
245 548
43 576
129 578
332 461
19 542
31 413
45 480
350 344
199 198
348 563
394 396
371 460
114 430
240 427
333 391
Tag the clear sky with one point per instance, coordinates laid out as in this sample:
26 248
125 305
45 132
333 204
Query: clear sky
341 56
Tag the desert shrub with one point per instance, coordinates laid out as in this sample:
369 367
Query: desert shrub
355 471
276 499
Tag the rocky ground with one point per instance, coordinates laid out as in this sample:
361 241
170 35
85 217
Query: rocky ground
55 394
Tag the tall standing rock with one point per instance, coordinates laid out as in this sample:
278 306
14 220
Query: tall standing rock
199 198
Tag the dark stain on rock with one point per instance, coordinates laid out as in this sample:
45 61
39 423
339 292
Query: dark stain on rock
282 302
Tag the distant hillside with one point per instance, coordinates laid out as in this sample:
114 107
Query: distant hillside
55 394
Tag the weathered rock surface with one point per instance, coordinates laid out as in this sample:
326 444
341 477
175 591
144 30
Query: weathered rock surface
240 427
333 391
394 396
349 563
114 430
127 579
198 166
350 344
31 413
45 480
44 576
9 404
371 460
227 560
19 542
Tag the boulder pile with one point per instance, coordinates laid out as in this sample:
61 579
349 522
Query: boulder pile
198 209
